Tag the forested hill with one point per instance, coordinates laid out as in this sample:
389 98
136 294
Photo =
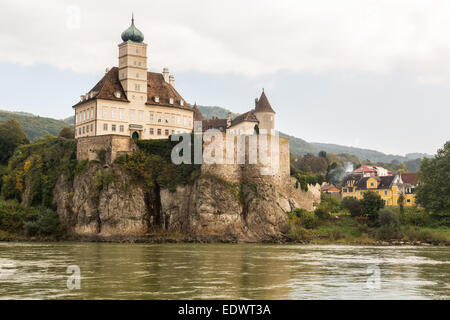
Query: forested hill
34 126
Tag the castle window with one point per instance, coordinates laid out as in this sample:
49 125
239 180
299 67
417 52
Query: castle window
156 99
385 192
92 127
173 119
84 130
159 118
121 128
117 93
113 127
181 103
84 115
79 131
185 122
137 50
141 115
140 63
105 127
171 100
134 62
178 120
151 131
105 113
132 115
167 119
113 113
132 97
159 132
166 132
371 184
87 129
408 200
92 113
121 114
173 131
137 76
87 115
151 117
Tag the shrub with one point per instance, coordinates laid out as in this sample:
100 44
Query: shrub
371 204
329 203
353 205
389 224
306 218
322 213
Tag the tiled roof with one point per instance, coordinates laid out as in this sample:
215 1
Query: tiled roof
248 116
106 87
382 182
156 87
197 114
262 104
215 123
410 178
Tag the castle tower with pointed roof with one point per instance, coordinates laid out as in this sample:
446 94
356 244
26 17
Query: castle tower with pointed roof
264 113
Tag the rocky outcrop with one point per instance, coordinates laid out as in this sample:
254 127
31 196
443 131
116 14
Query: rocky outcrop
105 202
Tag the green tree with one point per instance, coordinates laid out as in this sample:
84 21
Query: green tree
401 201
353 205
66 133
371 204
11 136
433 187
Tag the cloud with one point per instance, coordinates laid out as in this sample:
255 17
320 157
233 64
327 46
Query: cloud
251 37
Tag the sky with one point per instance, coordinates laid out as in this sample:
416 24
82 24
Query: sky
370 74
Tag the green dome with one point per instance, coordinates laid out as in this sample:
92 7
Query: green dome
132 34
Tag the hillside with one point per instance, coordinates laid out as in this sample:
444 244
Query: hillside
34 126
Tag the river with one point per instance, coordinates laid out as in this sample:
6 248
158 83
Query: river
222 271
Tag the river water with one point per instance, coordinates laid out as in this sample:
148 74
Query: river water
221 271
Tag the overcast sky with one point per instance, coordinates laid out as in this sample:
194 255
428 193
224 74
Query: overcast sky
373 74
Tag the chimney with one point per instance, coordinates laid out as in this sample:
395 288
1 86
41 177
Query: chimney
166 74
229 120
256 101
172 81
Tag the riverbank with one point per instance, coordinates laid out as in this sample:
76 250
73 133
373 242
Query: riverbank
39 224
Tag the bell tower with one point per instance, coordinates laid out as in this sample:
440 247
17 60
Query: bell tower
133 64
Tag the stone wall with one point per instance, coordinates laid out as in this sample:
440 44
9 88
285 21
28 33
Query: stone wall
115 146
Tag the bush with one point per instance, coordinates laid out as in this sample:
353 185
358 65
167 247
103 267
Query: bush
306 218
389 224
371 204
30 221
353 205
329 203
322 213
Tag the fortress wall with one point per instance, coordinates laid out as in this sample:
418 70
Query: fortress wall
115 145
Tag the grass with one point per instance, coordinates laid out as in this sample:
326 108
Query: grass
347 230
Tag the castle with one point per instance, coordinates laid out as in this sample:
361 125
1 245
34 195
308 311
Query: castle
130 103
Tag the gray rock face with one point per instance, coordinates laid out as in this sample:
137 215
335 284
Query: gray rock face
105 202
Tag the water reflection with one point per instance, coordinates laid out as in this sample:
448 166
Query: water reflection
222 271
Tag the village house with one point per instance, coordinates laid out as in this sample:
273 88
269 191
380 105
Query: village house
388 187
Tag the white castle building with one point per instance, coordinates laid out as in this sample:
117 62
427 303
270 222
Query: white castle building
130 101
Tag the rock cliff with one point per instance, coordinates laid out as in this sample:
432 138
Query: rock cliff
105 203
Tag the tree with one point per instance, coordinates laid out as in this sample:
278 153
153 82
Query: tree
433 186
371 204
400 201
353 205
11 136
66 133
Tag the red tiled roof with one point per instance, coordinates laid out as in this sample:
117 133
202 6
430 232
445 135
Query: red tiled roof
215 123
156 86
410 178
262 104
248 116
197 114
